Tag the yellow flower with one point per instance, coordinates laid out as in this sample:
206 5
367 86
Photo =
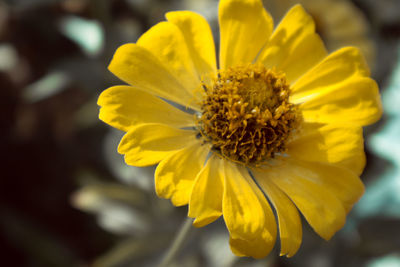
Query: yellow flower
278 120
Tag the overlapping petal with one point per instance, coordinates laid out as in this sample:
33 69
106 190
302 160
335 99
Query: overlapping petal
206 199
176 173
294 46
166 42
355 101
199 40
340 66
310 189
245 27
342 145
141 69
125 106
148 144
247 214
342 183
337 90
290 228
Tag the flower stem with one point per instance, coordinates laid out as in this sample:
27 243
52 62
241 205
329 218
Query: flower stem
177 243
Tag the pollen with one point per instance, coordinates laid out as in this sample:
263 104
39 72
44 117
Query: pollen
246 114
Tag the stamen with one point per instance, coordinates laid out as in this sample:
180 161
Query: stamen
246 114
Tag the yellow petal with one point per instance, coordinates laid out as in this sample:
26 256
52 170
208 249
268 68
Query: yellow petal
175 175
343 184
167 43
125 106
290 229
206 200
247 214
245 28
345 63
294 46
243 212
321 208
198 38
257 248
148 144
355 101
335 144
138 67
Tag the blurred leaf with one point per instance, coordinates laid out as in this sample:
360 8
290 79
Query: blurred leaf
119 209
89 196
387 261
49 85
9 57
123 220
88 34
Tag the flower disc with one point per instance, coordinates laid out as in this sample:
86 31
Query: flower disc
246 114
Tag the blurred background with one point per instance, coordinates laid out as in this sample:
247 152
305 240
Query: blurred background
68 199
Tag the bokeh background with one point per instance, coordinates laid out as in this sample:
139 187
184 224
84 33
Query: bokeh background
68 199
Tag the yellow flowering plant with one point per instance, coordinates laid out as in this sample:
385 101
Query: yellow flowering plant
278 122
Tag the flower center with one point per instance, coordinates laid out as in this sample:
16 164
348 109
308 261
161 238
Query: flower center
246 114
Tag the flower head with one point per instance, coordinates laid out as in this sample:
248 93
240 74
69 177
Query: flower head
279 121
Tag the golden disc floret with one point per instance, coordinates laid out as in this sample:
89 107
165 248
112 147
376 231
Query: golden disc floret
246 114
